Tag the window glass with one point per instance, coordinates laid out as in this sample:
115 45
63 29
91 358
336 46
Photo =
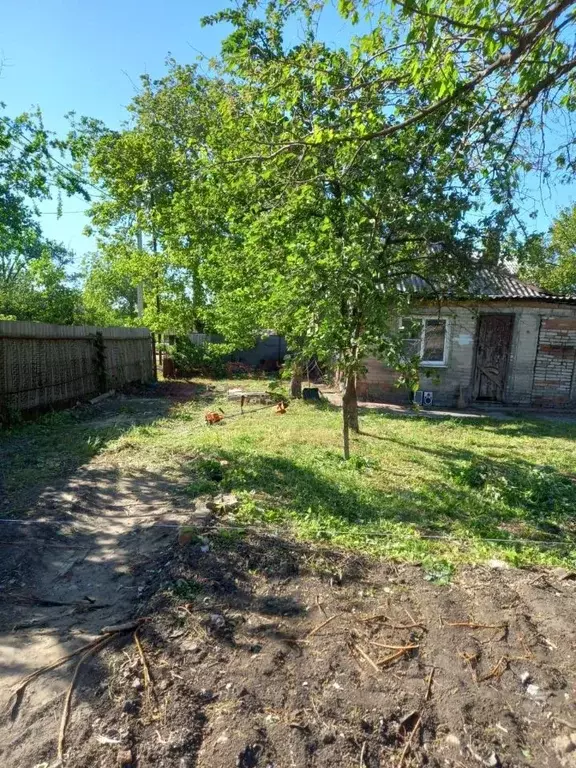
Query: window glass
412 331
434 341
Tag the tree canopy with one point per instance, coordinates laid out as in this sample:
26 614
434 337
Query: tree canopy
550 259
512 61
34 284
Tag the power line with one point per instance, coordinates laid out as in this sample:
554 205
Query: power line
61 213
71 171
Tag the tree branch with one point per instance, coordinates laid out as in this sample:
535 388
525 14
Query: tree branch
501 32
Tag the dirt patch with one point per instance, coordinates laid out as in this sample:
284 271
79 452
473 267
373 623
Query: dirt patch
266 652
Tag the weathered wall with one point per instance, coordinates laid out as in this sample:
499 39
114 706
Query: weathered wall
554 372
43 365
522 386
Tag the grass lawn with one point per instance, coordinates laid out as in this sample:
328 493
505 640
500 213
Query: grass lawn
409 477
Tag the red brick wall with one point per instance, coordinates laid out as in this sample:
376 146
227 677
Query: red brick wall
555 362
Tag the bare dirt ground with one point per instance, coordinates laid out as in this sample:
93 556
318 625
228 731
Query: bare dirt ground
263 652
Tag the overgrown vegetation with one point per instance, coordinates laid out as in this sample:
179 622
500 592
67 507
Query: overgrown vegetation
199 359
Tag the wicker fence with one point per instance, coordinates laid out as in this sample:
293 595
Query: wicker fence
43 365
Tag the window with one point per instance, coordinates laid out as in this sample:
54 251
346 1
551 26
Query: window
412 329
427 338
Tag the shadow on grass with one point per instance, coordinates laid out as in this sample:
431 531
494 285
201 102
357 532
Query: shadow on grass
475 496
513 424
37 458
545 424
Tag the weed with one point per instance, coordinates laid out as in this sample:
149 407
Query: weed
226 538
438 572
187 589
94 442
201 487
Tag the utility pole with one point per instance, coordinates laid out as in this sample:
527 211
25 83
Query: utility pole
140 286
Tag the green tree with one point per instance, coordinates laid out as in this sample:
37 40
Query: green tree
145 170
320 234
33 280
108 294
42 291
550 260
514 59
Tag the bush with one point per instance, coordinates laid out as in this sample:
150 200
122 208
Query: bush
199 359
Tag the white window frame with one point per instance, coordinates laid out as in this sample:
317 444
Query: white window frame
424 319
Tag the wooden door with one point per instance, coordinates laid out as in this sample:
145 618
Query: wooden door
493 342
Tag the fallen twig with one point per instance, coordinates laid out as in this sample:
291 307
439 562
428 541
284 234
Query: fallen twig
114 628
365 656
408 744
527 650
35 600
397 655
540 576
429 687
412 619
66 710
147 678
383 617
472 625
393 647
33 675
362 763
498 669
321 607
320 626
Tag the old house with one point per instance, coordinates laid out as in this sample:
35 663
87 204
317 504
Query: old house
506 342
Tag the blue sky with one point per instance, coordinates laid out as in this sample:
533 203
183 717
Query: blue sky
86 56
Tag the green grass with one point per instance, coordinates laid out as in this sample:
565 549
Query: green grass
463 481
409 478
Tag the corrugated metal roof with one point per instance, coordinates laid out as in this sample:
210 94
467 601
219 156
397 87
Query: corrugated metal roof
486 284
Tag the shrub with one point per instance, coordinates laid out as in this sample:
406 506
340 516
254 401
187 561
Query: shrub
199 359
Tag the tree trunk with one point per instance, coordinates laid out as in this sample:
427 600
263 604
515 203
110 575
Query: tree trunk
345 434
296 380
349 413
350 403
155 252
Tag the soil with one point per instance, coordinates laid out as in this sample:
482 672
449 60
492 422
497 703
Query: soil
266 652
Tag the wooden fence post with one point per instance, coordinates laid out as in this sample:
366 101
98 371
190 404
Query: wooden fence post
100 361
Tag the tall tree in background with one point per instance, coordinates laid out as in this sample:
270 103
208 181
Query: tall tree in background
109 294
146 170
550 260
34 284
